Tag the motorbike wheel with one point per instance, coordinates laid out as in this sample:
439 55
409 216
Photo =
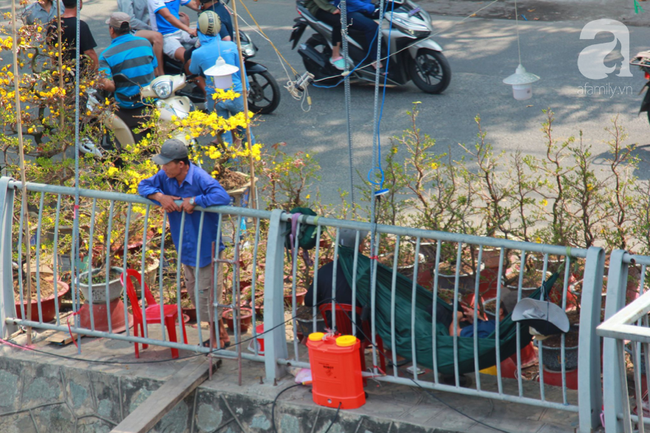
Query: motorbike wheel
430 71
263 93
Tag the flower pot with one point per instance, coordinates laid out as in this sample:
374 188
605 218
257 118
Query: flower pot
48 304
300 298
245 319
552 352
466 280
99 289
305 327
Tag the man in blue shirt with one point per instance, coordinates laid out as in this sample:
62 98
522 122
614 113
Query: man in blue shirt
179 179
205 57
132 57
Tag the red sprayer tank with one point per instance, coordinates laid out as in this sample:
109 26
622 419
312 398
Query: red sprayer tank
336 371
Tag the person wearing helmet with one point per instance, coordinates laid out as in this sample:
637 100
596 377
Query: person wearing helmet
205 57
226 31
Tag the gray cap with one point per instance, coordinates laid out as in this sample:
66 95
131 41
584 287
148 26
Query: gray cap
119 20
546 317
171 149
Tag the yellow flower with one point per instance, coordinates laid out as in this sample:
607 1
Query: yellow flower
30 130
434 165
112 171
308 196
544 202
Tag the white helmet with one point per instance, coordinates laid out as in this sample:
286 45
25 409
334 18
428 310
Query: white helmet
209 23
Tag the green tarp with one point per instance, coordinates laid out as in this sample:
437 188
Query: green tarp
486 353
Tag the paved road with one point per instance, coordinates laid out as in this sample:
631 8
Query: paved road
481 52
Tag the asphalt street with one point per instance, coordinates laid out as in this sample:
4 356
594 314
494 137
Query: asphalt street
481 52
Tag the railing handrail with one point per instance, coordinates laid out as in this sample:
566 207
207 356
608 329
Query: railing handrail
442 236
132 198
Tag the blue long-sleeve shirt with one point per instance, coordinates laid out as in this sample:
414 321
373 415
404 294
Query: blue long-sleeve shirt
364 6
207 192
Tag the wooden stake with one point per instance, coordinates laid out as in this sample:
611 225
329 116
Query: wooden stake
21 152
58 20
251 160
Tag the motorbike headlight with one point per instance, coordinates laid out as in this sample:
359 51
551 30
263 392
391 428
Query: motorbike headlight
162 89
249 51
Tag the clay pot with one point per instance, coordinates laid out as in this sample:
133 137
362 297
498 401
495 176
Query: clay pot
300 298
48 305
245 319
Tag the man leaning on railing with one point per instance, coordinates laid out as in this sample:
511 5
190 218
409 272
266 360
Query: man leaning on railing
179 179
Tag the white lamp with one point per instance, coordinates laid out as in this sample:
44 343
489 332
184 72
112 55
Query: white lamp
221 74
521 82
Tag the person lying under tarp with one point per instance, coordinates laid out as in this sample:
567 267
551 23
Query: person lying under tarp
429 329
329 286
464 325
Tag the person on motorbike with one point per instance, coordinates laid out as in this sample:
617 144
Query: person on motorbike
138 10
204 57
226 31
168 22
361 16
328 13
133 59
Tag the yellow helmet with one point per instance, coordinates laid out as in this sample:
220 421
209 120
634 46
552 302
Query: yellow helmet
209 23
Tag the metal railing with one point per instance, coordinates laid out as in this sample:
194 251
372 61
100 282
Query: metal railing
626 345
398 242
109 221
400 253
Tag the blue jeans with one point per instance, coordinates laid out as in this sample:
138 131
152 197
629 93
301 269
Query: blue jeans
368 26
226 109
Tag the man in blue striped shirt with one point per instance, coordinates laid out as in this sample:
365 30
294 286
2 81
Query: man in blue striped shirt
132 57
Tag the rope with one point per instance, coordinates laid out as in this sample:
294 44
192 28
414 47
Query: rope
517 27
348 102
75 230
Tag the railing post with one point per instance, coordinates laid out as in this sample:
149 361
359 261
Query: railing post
616 401
275 341
589 389
7 303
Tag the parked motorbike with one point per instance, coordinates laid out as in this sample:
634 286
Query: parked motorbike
164 90
642 60
413 54
263 90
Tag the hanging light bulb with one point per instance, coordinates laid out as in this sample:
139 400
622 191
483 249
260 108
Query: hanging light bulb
521 82
221 74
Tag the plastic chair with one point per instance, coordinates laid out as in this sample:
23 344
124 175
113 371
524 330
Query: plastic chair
152 311
344 327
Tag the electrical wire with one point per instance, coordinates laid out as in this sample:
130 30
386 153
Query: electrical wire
275 400
11 343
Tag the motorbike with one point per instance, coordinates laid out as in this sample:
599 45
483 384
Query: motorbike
642 60
414 56
263 90
164 90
